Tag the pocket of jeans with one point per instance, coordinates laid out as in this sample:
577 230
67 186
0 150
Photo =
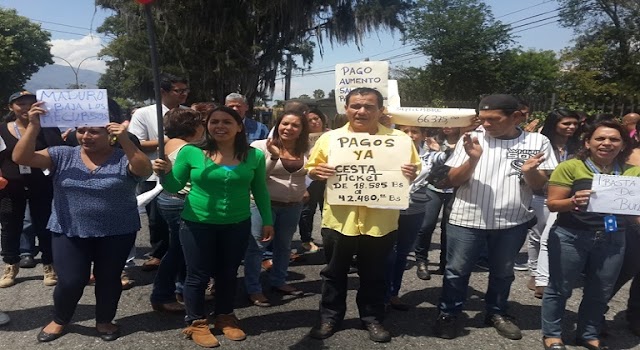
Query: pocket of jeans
563 234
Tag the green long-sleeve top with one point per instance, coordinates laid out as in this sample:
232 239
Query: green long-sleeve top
219 195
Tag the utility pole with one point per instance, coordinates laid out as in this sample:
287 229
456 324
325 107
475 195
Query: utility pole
287 78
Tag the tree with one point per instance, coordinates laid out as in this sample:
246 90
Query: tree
318 94
332 93
304 97
462 41
527 72
226 46
612 25
24 48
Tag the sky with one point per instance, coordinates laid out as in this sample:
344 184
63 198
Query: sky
72 24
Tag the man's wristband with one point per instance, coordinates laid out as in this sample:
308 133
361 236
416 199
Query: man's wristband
275 159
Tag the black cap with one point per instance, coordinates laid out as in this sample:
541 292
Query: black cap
498 102
20 94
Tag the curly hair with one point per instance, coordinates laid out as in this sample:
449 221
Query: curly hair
181 123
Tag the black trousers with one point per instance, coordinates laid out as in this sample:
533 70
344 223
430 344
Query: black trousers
158 226
212 250
316 199
631 271
13 202
72 262
372 253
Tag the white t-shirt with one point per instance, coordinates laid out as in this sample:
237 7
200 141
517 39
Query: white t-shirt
496 196
144 124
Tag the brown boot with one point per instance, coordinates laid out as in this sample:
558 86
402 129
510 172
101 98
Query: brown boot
200 333
50 277
9 277
228 324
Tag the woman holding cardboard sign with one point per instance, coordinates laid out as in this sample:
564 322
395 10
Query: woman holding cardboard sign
94 216
584 241
24 182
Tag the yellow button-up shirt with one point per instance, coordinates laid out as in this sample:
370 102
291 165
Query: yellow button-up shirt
351 220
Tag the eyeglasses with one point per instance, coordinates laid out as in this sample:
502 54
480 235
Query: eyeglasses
181 91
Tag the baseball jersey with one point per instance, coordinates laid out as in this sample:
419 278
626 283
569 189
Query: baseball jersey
496 196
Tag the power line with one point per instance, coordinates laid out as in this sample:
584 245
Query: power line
538 26
59 24
526 8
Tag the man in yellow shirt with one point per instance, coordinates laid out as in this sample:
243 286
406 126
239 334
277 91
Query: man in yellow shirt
345 228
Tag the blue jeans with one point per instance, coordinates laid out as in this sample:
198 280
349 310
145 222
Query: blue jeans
600 256
171 272
212 250
438 201
464 246
408 226
285 222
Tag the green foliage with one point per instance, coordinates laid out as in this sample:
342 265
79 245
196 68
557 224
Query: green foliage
232 46
462 41
304 97
318 94
24 48
527 72
606 57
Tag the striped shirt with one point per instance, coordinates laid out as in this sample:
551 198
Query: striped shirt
496 196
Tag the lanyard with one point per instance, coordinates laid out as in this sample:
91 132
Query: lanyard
18 134
589 163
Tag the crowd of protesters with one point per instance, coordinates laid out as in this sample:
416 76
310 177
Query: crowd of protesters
233 193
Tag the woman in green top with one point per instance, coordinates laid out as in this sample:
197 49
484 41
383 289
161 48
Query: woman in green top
584 241
216 223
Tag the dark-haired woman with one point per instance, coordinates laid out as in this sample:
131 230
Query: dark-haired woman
94 216
560 127
314 196
182 126
582 241
216 219
24 183
286 156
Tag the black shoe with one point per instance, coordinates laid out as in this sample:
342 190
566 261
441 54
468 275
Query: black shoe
446 327
423 271
583 343
504 325
553 346
27 262
377 333
45 337
109 336
323 330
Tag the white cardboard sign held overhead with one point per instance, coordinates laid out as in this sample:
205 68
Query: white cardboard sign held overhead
69 108
615 195
371 74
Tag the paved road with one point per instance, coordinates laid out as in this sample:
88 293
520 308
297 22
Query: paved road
285 325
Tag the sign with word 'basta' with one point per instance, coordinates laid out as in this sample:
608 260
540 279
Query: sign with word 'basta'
368 170
370 74
615 195
71 108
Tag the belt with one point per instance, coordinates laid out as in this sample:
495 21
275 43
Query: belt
284 204
175 195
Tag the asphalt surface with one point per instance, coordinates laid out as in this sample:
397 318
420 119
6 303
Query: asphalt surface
285 325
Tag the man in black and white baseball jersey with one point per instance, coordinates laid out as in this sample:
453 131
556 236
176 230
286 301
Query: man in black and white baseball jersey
495 168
